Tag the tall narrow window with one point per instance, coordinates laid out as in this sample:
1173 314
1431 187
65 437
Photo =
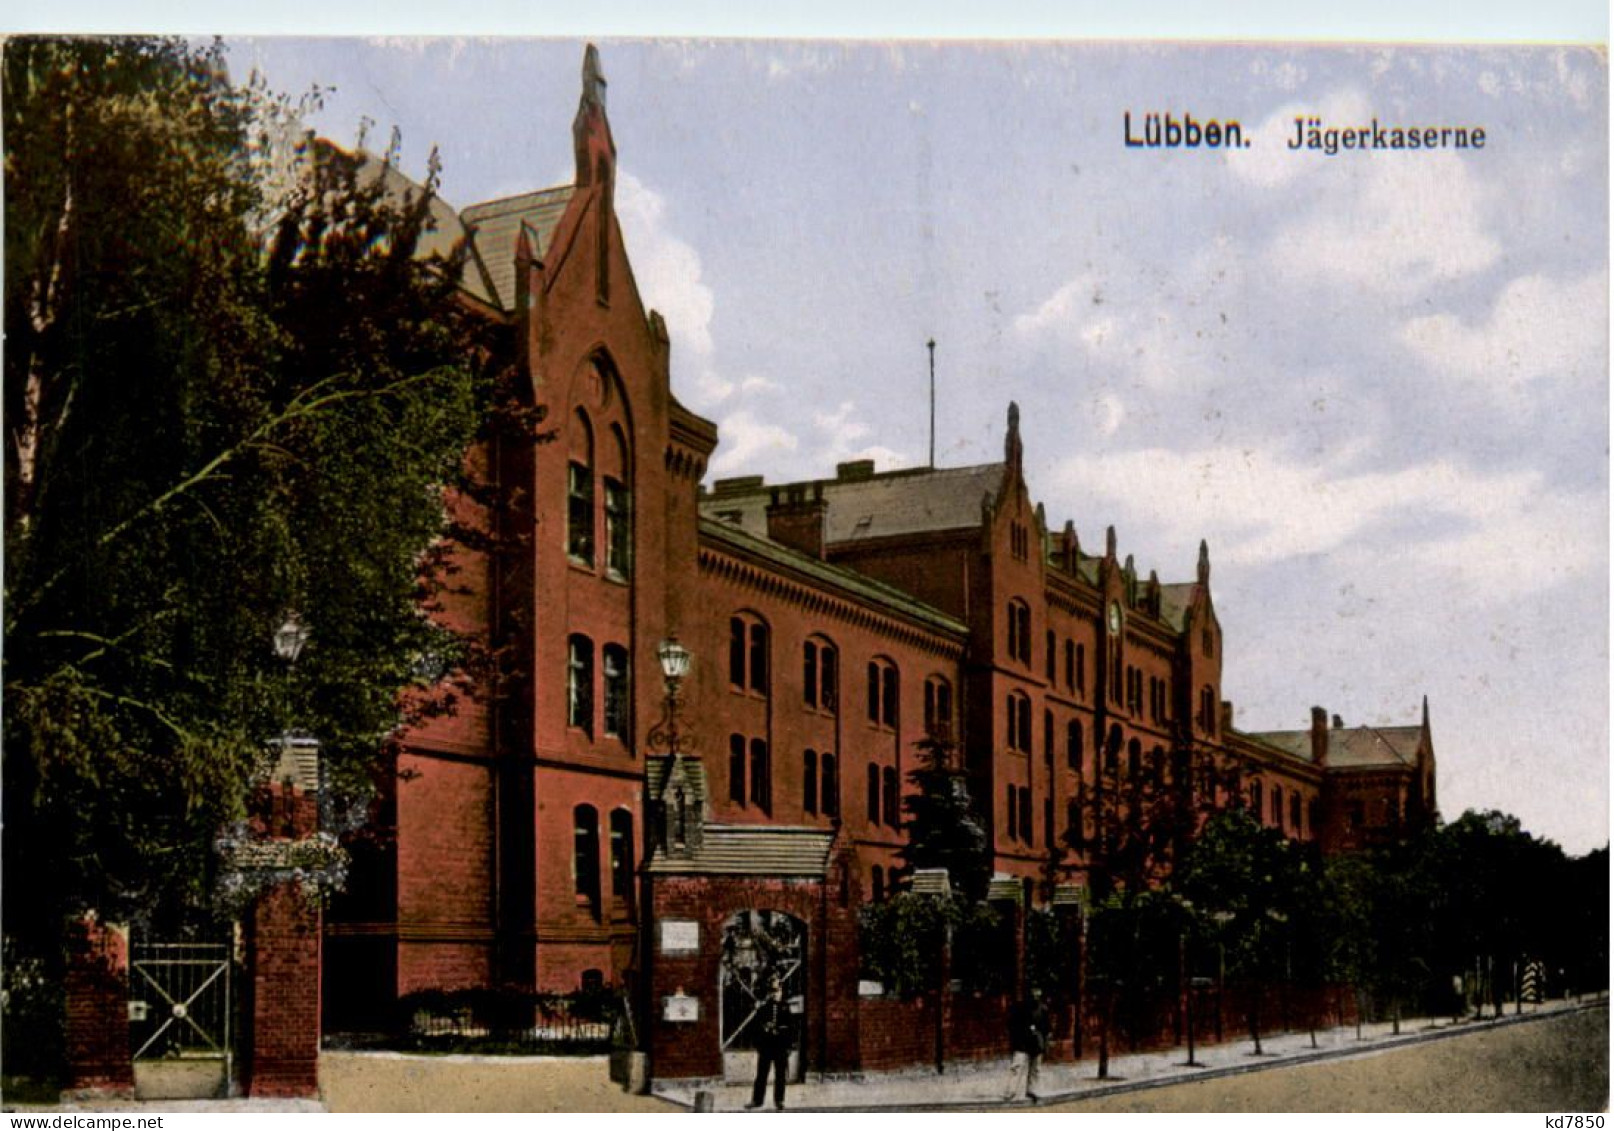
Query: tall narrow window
1294 813
737 769
1073 745
1070 665
809 781
809 674
1024 612
1255 800
1048 821
874 794
883 693
586 857
1011 811
761 776
1134 759
1081 669
889 793
1027 831
1025 724
938 707
622 855
1048 737
877 883
580 513
1112 751
831 786
618 530
829 677
1051 658
580 684
759 658
1277 806
615 665
748 654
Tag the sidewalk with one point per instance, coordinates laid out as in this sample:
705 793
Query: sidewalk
984 1083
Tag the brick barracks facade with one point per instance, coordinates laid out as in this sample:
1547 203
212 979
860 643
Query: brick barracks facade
538 838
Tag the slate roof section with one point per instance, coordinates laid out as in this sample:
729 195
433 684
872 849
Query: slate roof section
494 226
917 501
812 571
1349 748
1175 600
752 850
656 770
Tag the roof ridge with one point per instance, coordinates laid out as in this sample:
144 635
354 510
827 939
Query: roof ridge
500 205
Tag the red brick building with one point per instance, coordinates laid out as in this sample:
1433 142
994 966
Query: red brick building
540 838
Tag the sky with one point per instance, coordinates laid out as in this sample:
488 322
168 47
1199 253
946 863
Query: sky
1375 383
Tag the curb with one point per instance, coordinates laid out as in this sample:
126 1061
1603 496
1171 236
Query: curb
1187 1075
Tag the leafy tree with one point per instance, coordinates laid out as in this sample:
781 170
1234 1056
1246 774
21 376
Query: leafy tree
225 406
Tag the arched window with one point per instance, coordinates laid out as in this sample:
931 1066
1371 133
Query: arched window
889 794
883 693
580 683
1048 821
1027 831
1112 751
1255 800
1070 665
580 491
748 654
1081 669
831 786
1294 813
761 776
1277 806
1048 736
737 768
614 662
1073 823
622 855
809 781
586 858
1019 626
1051 658
938 707
819 675
1073 745
874 794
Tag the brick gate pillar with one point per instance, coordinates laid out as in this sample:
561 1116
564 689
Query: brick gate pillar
283 950
97 986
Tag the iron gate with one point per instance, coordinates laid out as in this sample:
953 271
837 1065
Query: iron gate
181 1012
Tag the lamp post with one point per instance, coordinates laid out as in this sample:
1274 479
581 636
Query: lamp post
675 662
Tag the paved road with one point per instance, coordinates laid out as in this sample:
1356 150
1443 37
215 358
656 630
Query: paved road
1553 1065
1557 1064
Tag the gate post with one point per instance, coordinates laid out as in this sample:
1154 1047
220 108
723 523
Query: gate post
283 949
97 987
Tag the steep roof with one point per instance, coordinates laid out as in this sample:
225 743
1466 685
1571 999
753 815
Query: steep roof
1175 601
860 508
1362 747
494 226
752 850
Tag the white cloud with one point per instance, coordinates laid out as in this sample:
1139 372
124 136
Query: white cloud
842 430
1494 535
668 272
747 441
1402 228
1538 327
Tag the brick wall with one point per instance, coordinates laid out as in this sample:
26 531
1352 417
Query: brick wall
283 939
897 1034
97 988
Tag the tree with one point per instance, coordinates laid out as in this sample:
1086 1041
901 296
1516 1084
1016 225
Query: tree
1244 878
225 407
941 826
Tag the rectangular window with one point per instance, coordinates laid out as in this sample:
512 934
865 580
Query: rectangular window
809 674
874 794
737 769
1025 724
893 818
1070 665
1048 737
761 776
809 782
580 684
759 659
888 697
1051 658
616 690
622 855
828 680
874 692
618 530
1027 833
1011 811
1294 813
831 786
1081 668
580 513
736 651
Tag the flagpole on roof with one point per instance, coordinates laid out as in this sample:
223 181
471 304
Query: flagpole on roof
931 345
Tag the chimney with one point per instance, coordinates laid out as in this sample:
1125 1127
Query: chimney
1319 736
1227 715
1339 723
796 518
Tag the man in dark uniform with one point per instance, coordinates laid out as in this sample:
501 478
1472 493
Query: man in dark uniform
1028 1040
775 1035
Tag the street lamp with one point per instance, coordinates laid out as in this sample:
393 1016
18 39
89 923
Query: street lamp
675 663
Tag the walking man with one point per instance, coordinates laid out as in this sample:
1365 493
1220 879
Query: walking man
1028 1040
775 1036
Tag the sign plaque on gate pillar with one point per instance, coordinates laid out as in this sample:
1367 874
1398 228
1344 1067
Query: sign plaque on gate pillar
680 1007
